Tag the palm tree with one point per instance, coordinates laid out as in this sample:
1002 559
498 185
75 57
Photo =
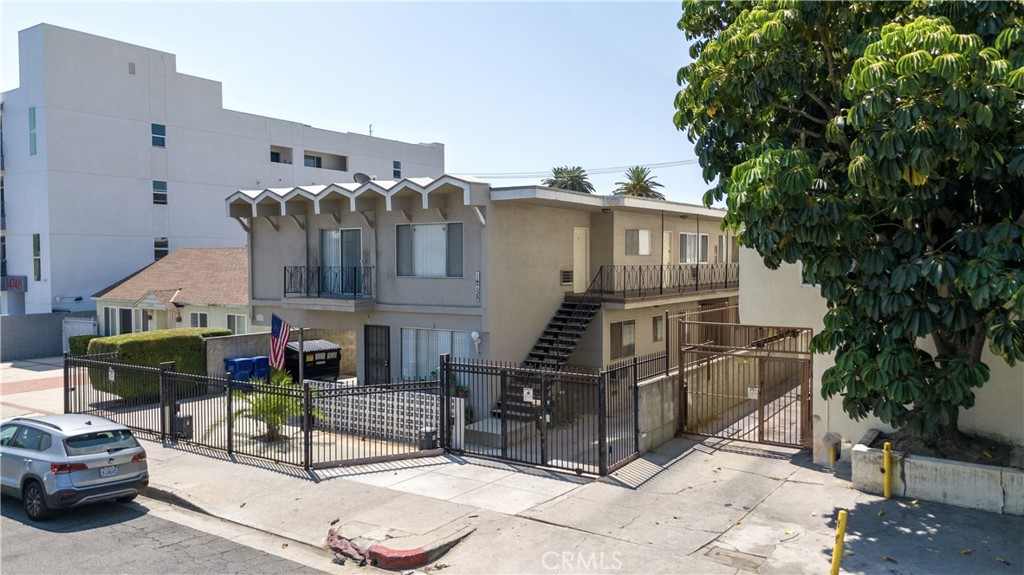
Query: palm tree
639 183
572 179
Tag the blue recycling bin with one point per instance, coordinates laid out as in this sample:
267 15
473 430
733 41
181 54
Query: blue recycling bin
240 368
261 367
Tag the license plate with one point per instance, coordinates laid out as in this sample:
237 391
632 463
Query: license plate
108 471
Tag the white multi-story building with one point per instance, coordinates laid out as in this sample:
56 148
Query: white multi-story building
112 159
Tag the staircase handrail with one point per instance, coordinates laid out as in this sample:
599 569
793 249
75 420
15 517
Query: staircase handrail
586 300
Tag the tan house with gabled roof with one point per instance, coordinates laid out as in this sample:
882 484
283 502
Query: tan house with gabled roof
190 287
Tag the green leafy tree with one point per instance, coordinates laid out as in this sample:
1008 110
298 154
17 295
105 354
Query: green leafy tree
639 183
881 144
569 178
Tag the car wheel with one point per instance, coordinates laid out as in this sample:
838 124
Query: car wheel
34 501
127 498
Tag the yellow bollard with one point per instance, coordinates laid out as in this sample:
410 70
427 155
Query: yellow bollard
887 469
837 549
832 457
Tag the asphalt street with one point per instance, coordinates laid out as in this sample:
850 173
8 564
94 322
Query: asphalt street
112 538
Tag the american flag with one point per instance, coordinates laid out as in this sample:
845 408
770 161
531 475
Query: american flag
279 332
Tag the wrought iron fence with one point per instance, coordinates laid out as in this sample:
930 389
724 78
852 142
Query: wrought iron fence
328 282
316 424
582 421
648 280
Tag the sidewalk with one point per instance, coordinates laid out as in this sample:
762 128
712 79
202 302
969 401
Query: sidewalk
693 506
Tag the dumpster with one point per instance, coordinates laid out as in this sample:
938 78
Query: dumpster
240 368
322 359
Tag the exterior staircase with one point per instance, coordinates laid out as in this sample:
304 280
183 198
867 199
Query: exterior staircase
556 344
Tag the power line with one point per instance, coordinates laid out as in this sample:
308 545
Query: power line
596 171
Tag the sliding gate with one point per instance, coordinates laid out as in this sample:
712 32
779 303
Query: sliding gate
751 383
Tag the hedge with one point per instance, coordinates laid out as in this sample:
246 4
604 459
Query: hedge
79 344
184 347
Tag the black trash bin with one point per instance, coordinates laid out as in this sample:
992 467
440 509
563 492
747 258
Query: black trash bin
428 438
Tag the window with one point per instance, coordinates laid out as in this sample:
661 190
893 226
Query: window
275 157
37 259
688 248
311 161
142 319
159 135
117 320
197 319
159 192
3 255
429 250
131 68
31 438
160 247
623 339
638 242
341 260
658 327
236 323
723 250
421 349
396 169
32 131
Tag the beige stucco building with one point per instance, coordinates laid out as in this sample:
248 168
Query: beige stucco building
423 266
781 298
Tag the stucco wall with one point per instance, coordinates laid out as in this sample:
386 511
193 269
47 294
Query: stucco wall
33 335
777 298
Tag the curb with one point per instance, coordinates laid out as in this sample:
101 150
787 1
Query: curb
396 559
168 496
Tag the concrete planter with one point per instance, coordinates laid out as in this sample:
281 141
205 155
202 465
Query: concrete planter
985 487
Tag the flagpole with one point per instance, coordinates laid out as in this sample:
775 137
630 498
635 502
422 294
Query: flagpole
302 355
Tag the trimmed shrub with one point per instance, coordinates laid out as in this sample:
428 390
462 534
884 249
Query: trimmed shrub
184 347
79 344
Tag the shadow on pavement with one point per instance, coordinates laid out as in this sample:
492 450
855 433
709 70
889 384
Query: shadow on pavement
75 519
908 536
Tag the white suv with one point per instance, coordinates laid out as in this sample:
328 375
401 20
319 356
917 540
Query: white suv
54 461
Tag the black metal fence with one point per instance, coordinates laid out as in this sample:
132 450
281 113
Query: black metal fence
316 424
581 421
328 282
648 280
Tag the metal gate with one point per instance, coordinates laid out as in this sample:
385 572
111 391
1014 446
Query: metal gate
571 420
751 383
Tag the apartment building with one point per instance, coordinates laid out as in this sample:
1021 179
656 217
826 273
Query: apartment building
111 159
417 267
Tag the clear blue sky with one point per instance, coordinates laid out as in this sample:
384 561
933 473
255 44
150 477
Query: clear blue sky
508 88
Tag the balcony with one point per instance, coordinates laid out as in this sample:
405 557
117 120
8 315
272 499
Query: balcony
635 282
341 283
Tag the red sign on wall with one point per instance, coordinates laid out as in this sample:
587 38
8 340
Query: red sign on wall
14 283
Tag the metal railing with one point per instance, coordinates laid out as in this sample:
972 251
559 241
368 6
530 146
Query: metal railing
328 282
648 280
312 425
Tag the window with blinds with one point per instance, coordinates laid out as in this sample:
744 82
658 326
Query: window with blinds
429 250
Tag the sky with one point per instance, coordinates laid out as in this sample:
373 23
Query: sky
510 89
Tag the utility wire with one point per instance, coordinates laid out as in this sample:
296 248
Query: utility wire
597 171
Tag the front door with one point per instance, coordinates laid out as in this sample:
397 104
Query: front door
580 259
377 354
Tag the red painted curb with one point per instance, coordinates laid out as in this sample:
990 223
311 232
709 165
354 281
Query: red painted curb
389 558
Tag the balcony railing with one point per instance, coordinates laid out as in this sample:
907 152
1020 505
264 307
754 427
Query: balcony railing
328 282
645 281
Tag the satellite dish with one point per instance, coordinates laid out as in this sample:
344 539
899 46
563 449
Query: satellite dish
360 178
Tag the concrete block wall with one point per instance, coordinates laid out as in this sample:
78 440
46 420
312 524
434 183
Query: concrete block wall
253 344
659 411
33 335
